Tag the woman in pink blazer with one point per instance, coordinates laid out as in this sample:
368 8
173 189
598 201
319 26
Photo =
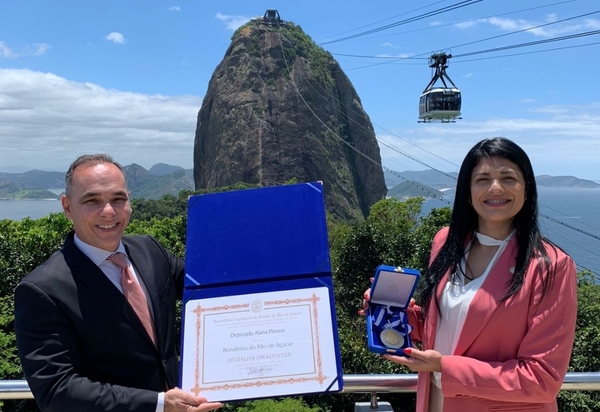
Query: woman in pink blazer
498 303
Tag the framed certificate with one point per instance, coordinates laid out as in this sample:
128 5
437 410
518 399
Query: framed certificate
260 345
259 312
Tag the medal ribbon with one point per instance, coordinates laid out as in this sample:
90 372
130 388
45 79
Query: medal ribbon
385 318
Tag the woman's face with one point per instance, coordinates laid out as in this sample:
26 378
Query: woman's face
497 192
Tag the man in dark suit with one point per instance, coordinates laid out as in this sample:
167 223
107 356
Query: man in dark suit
83 346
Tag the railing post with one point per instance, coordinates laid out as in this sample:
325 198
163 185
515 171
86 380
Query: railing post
374 400
374 405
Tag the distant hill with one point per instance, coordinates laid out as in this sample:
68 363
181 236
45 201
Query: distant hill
14 169
439 180
413 189
430 178
164 169
9 190
35 184
144 184
565 181
155 187
34 179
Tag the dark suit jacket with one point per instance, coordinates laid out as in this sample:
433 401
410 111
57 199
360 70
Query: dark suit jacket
82 346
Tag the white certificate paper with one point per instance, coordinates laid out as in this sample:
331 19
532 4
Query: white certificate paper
259 345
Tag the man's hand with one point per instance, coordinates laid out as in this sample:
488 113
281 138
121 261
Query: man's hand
177 400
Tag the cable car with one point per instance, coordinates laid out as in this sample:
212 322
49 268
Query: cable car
441 104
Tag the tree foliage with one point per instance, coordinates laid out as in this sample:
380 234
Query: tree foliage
272 405
395 233
586 348
391 235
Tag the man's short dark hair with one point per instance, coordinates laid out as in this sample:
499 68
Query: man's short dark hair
88 160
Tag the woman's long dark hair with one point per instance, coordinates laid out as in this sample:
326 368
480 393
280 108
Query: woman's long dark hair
530 242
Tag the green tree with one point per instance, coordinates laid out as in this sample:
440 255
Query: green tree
273 405
395 233
391 235
24 245
586 348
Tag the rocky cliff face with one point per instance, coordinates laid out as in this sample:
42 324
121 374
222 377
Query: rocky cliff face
278 108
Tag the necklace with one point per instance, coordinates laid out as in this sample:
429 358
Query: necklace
467 268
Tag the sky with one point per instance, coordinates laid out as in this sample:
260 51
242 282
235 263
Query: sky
127 78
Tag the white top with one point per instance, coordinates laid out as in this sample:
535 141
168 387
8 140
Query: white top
454 305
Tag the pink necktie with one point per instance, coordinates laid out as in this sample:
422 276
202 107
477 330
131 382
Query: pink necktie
134 293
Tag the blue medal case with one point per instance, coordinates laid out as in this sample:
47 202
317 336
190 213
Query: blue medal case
391 292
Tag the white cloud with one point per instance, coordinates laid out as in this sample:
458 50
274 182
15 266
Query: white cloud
232 22
395 56
46 121
468 23
592 24
116 37
553 30
387 44
560 140
175 8
35 49
6 51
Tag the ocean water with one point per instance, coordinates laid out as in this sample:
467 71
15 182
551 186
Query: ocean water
569 217
20 209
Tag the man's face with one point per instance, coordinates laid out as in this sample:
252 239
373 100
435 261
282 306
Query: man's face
98 205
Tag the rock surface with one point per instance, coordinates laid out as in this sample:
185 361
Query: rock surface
280 108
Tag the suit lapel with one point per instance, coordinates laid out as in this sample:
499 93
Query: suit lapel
92 276
487 298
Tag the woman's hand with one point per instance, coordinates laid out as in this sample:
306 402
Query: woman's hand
418 361
366 299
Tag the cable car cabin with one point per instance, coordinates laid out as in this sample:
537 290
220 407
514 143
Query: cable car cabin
439 104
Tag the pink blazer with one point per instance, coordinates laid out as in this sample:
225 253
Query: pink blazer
512 355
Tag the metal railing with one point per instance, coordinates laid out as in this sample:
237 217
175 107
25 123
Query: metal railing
373 384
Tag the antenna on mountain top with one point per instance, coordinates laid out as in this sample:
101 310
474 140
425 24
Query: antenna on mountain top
272 18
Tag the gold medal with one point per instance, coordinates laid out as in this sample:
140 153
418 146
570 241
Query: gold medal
392 338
